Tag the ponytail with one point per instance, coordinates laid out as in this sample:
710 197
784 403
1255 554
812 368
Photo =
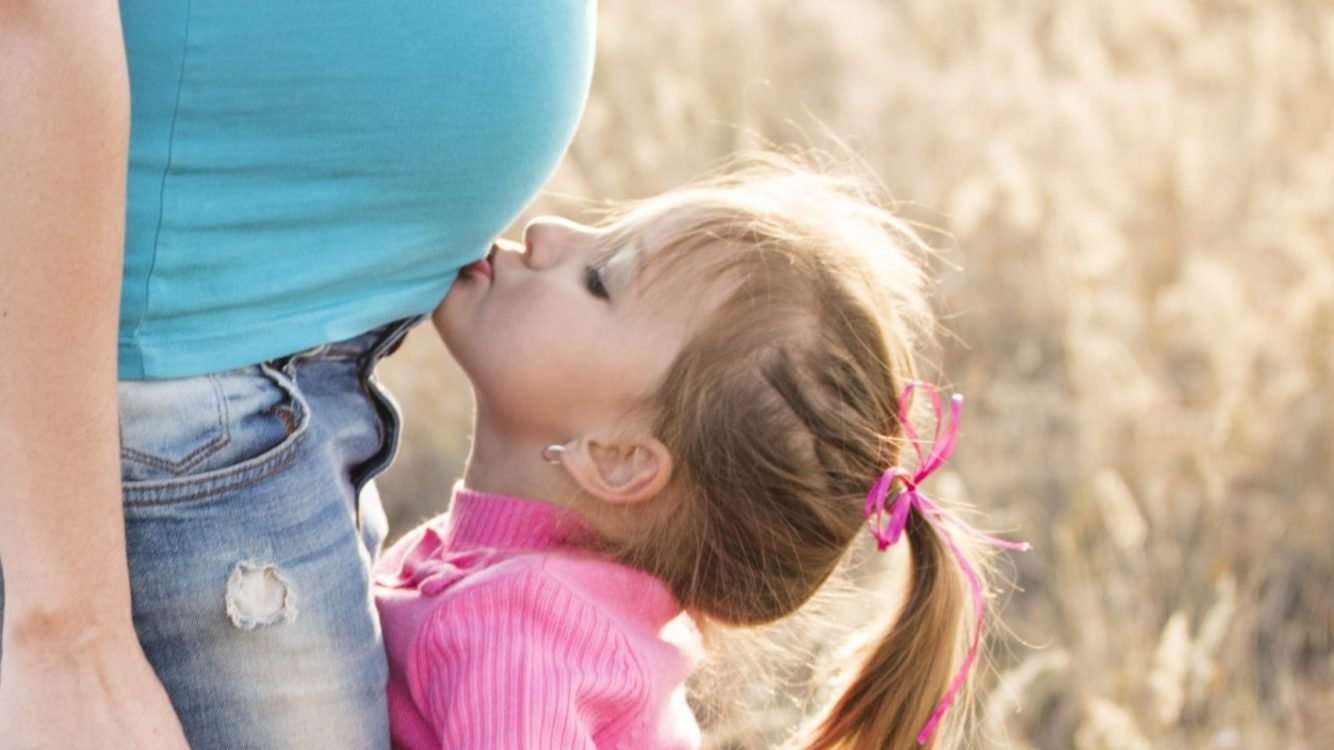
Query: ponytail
904 678
905 685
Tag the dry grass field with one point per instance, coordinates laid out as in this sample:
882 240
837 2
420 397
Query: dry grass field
1136 203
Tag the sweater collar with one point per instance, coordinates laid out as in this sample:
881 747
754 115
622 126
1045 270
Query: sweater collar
484 519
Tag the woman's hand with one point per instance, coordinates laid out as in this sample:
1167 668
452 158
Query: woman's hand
82 688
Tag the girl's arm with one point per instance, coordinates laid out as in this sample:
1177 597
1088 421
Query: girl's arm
72 673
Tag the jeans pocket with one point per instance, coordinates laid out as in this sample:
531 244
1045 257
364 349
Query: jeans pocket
193 438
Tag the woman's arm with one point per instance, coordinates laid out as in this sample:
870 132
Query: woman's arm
72 673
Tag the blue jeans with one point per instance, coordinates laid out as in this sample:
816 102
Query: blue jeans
251 528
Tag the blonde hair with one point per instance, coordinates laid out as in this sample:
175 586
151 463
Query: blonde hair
780 413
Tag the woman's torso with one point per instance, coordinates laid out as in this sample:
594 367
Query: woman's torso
303 171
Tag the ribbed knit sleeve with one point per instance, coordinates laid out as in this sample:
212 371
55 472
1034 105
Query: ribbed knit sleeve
520 661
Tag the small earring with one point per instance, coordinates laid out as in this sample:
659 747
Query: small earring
552 453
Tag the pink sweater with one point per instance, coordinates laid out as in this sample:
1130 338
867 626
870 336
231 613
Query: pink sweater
501 635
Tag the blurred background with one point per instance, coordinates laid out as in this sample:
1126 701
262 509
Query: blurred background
1136 203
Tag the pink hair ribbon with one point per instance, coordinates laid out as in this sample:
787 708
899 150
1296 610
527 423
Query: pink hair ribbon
887 531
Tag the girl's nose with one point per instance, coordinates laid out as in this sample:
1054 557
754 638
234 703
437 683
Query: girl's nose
548 240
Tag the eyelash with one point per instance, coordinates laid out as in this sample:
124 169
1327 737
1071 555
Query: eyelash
593 280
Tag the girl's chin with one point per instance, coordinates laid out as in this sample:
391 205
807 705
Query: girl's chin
447 326
438 316
453 307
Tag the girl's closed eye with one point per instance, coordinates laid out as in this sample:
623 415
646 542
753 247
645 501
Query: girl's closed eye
593 280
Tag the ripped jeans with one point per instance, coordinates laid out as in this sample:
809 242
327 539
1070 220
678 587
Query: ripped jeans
251 525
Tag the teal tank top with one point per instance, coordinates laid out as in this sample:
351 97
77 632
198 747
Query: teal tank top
302 171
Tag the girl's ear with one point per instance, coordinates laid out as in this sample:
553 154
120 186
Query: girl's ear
625 472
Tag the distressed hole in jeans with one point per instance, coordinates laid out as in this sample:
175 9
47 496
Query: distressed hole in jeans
258 595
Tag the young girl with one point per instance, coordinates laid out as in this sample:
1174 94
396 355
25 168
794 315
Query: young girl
681 411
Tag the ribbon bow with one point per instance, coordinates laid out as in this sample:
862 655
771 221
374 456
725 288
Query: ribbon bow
888 531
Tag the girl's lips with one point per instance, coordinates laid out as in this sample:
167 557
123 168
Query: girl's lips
482 267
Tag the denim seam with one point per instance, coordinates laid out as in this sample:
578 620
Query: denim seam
372 356
175 491
372 393
224 485
191 459
383 406
341 354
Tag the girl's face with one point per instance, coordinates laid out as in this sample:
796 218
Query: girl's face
559 338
